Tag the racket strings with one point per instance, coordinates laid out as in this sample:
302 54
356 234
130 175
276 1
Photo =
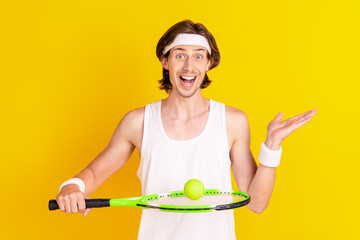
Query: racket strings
217 199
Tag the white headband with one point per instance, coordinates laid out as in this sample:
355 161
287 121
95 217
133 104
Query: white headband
189 39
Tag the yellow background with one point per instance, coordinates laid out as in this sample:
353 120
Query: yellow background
70 70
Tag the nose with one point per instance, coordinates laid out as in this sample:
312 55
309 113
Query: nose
188 65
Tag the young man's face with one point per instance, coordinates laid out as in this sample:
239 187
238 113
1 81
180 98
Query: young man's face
187 65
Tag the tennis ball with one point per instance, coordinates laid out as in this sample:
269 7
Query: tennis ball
194 189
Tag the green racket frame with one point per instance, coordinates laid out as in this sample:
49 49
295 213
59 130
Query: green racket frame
143 202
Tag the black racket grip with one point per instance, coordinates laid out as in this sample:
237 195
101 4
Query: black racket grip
90 203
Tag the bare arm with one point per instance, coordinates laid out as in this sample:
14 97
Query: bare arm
126 137
257 181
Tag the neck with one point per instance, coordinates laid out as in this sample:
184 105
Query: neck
175 106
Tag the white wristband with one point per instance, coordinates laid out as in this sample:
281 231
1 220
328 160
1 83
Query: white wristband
268 157
76 181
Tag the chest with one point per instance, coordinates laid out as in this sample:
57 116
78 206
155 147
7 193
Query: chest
181 130
185 129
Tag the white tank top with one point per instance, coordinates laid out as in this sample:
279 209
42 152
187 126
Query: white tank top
167 164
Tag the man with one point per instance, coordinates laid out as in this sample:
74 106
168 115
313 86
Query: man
186 136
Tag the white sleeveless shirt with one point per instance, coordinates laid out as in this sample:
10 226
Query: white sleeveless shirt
167 164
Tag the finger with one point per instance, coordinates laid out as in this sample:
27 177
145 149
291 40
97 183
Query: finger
309 114
86 212
300 123
81 205
304 121
74 206
313 112
305 114
60 203
279 116
67 205
61 206
299 118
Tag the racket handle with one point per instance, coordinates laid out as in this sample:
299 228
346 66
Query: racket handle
90 203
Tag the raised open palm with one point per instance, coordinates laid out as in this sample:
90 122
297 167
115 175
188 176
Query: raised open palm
278 130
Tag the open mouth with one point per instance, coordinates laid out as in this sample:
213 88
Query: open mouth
188 79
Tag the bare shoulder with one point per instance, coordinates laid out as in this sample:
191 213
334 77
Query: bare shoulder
237 126
134 117
130 127
235 116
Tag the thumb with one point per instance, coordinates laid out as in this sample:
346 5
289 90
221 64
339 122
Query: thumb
86 212
279 116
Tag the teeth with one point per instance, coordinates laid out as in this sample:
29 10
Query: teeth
188 78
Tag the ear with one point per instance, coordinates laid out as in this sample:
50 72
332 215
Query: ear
164 62
210 62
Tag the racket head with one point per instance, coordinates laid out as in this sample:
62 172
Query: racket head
213 200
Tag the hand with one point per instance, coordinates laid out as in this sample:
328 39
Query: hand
71 200
277 131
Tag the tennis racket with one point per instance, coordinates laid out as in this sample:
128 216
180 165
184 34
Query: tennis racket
213 200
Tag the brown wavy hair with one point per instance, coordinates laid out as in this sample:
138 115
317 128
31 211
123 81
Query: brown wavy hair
186 26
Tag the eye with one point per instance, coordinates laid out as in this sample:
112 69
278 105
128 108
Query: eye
180 56
198 57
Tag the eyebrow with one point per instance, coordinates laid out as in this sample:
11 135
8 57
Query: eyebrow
183 49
